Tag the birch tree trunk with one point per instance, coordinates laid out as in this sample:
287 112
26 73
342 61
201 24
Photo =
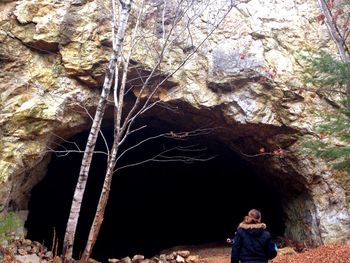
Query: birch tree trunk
95 128
102 203
104 196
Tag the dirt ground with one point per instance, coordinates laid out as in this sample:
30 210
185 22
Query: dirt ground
220 253
215 253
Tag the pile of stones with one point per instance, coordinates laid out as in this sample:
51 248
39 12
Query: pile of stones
180 256
25 250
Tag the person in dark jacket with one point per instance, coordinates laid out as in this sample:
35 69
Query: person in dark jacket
252 243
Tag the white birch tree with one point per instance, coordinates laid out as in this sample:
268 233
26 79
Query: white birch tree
95 128
175 22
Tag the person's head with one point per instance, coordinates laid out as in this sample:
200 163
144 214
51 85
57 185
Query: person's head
253 217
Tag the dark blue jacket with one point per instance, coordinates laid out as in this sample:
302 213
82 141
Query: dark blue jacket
252 244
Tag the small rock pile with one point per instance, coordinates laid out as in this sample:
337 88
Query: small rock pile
25 250
180 256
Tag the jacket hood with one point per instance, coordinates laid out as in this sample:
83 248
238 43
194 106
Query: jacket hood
253 229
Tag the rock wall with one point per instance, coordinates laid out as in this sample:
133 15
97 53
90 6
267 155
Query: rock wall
246 79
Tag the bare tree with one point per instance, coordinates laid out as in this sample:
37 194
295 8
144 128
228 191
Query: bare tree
174 23
95 128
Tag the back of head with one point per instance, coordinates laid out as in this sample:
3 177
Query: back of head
253 217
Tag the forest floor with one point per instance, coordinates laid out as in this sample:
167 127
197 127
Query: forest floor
322 254
220 253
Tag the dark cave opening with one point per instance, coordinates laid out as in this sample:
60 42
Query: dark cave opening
156 205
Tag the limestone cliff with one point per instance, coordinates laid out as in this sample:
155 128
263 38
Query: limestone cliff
247 79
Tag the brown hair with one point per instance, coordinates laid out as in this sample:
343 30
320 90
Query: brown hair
253 217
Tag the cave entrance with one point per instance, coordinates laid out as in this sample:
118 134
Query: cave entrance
156 205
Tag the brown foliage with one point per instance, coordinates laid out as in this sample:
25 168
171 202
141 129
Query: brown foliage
322 254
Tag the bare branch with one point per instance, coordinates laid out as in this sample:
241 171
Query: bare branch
171 134
146 106
66 141
161 157
64 153
100 131
334 31
139 144
131 132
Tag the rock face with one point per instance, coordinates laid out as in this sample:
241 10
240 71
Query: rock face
246 78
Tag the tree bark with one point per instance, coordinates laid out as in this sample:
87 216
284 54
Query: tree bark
102 203
85 166
101 207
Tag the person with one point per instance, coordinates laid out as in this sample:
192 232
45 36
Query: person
252 243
